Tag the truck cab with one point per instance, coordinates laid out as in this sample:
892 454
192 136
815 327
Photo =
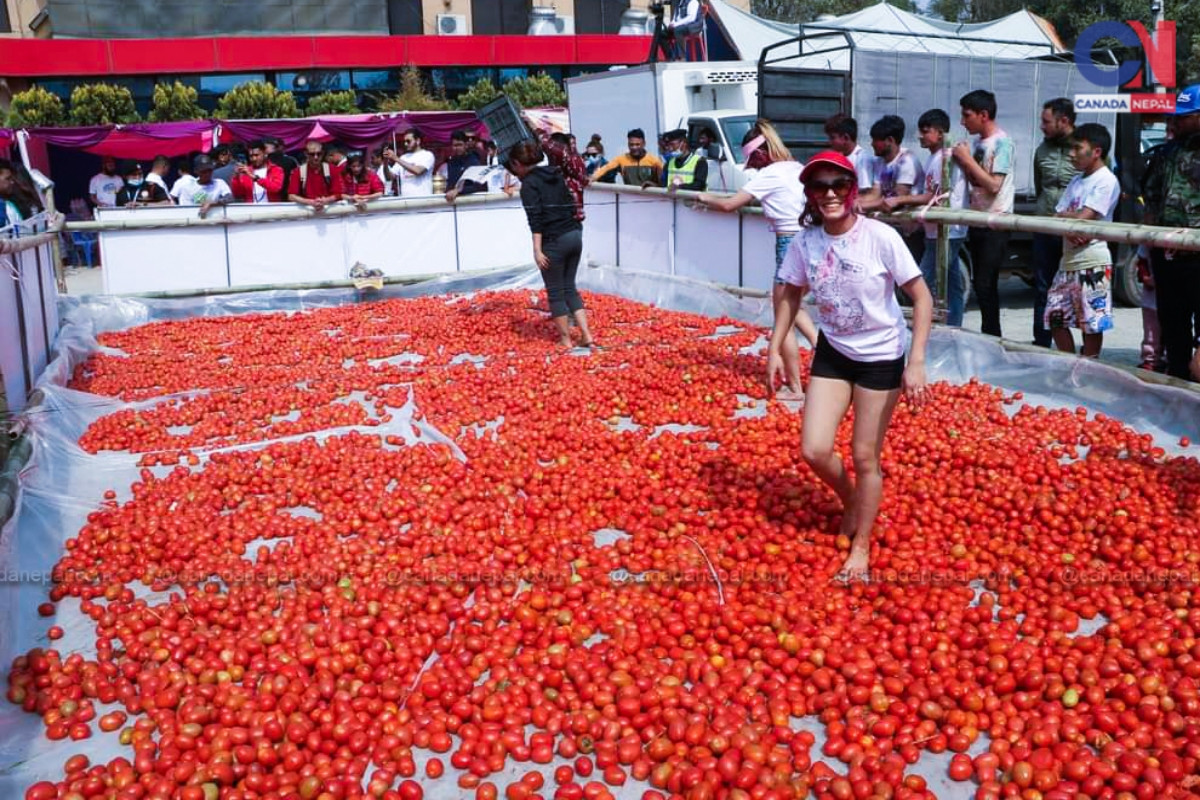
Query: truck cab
726 164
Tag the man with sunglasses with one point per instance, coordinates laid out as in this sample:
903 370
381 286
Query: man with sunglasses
413 169
315 183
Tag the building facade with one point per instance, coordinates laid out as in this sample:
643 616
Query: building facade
305 46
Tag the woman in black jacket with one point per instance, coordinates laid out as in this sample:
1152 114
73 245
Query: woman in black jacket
557 237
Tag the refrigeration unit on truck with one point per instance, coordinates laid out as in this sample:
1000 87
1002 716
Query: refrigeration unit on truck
718 95
806 79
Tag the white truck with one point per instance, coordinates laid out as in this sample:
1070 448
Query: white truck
719 95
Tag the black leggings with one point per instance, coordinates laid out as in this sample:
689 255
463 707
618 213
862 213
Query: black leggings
563 252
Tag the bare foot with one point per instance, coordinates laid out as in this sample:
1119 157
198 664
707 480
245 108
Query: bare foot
855 568
787 394
565 342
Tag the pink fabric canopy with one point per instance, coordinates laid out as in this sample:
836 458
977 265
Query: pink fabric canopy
146 140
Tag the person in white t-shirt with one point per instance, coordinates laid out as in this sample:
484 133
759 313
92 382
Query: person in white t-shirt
415 167
207 191
988 164
1081 294
843 138
158 173
103 187
776 185
896 170
184 185
933 125
852 265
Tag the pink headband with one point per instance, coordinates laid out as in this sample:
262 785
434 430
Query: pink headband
752 145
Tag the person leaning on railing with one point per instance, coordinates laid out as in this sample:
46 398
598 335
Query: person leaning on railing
776 185
360 185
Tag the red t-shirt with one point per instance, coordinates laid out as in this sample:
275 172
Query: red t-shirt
314 183
370 184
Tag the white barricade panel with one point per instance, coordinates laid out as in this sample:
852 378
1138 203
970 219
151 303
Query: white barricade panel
645 231
12 365
50 291
758 253
600 229
493 236
161 259
706 245
307 251
416 242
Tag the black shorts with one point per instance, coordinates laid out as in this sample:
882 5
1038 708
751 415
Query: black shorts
881 376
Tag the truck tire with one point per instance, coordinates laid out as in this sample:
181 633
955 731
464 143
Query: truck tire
1127 289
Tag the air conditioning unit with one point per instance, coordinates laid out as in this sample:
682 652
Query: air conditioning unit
564 26
452 24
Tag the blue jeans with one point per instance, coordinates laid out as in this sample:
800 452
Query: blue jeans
955 297
782 242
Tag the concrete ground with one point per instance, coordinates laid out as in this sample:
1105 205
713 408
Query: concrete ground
1121 345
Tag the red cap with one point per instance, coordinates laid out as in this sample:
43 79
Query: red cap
827 158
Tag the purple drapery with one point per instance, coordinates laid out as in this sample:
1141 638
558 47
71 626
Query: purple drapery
293 132
75 138
435 127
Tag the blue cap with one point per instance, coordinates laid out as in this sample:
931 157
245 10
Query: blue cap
1188 101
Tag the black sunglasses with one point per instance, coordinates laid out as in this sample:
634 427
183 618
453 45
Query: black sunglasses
841 187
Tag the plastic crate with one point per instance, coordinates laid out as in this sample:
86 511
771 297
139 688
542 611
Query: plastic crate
504 124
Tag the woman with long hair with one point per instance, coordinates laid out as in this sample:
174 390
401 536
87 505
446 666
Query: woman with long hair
360 184
776 185
852 265
557 237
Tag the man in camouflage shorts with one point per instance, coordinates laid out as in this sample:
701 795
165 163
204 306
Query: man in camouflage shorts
1173 199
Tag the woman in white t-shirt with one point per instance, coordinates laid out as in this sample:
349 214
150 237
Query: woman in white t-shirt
852 265
776 185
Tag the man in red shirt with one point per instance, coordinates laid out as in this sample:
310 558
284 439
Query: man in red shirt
315 183
260 181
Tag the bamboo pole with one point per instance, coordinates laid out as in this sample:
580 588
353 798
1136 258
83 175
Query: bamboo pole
1121 232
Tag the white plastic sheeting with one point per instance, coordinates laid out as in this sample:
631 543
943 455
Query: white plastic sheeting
61 484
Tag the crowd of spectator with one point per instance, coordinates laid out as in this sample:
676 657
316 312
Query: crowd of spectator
1072 274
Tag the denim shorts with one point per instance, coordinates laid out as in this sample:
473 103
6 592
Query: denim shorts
782 241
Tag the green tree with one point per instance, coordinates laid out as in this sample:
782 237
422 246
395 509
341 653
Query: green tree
482 92
333 103
535 91
175 103
257 100
102 104
412 95
36 107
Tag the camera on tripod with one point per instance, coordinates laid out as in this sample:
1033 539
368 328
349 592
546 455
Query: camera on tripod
658 8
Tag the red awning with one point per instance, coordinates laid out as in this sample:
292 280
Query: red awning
46 58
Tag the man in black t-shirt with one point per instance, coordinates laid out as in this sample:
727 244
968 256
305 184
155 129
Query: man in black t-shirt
138 192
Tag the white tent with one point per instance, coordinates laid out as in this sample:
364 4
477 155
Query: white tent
884 27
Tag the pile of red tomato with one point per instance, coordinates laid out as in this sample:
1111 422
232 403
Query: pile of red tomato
342 610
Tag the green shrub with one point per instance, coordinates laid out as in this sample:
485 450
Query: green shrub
35 108
412 95
257 100
175 103
333 103
482 92
102 104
